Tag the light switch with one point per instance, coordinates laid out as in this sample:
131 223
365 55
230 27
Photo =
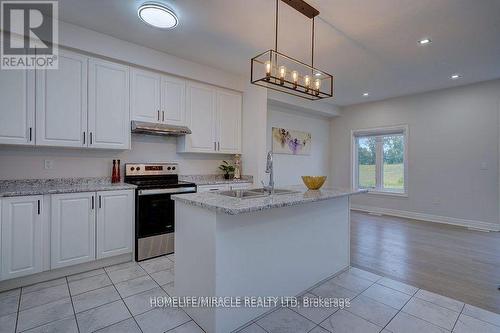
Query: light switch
48 164
484 166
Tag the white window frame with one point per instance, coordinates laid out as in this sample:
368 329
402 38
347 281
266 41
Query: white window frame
379 131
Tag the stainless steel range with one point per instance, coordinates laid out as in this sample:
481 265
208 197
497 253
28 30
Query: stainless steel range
154 208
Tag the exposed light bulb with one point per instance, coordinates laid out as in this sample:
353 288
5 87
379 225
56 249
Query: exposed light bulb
295 78
282 74
268 69
317 85
307 82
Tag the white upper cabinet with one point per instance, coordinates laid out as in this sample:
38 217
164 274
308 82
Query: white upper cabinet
115 220
229 122
200 118
145 95
72 229
173 97
17 107
21 241
157 98
61 102
109 107
214 117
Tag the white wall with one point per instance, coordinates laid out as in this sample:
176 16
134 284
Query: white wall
24 162
288 169
453 149
254 131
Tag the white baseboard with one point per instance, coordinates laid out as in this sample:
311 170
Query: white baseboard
472 224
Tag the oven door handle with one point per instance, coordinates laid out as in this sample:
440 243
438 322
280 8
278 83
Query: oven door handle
178 190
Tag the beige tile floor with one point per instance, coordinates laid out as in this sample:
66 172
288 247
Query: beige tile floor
117 299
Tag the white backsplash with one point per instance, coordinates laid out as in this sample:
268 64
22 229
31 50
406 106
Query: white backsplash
28 162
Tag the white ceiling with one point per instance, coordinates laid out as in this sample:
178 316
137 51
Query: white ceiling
369 45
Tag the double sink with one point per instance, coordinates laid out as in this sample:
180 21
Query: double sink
254 193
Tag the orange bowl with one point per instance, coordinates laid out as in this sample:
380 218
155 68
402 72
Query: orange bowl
314 182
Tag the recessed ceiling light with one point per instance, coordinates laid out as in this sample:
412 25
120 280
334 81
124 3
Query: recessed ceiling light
158 15
425 41
366 94
455 76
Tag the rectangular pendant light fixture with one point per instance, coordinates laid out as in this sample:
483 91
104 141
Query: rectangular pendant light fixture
277 71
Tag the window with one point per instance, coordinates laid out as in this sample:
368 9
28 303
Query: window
379 157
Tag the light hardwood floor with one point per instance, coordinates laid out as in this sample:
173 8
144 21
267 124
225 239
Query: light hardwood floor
452 261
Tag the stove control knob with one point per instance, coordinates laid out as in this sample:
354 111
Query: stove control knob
138 168
173 168
169 168
132 169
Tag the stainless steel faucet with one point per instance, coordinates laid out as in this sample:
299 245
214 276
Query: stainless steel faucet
269 169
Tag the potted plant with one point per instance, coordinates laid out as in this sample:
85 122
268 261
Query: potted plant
228 170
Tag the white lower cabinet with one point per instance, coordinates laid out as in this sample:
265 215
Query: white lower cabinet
72 229
22 236
115 219
83 227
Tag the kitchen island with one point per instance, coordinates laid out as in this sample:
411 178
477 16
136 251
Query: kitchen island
269 246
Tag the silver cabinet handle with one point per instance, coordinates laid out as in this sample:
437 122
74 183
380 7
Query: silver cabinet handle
31 134
218 146
92 207
90 137
163 116
158 115
215 145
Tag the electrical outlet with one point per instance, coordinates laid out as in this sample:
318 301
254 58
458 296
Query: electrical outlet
436 201
48 164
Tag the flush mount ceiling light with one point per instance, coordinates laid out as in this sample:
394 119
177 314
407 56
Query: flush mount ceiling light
366 94
277 71
158 15
425 41
455 76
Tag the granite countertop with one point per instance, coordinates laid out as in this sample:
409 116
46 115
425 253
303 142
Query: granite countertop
214 179
20 187
233 206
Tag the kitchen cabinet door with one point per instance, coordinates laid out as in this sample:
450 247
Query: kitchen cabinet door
17 107
109 107
201 117
72 229
21 231
173 96
228 122
145 95
61 102
115 222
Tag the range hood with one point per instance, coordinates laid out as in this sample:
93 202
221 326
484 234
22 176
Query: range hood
142 127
